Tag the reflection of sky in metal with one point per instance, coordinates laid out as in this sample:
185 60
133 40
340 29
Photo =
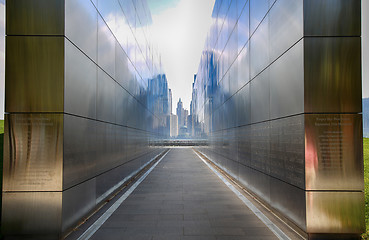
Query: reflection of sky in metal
179 27
157 6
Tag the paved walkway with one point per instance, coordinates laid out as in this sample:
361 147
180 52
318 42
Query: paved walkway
183 199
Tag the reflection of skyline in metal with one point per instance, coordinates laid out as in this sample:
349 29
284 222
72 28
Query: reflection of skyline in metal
278 93
78 103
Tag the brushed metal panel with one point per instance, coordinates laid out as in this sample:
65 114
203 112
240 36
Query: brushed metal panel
79 150
289 201
105 48
121 141
232 16
121 96
82 13
258 10
332 18
287 150
244 145
108 10
335 212
287 83
35 17
255 181
77 203
105 138
34 74
121 66
132 81
243 60
285 26
105 105
260 147
233 77
131 109
243 26
131 144
332 74
244 105
333 152
38 213
33 152
80 83
259 48
260 97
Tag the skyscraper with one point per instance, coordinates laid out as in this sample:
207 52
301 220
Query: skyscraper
180 114
159 98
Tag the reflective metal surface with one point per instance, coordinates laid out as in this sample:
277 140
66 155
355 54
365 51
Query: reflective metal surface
28 17
298 61
259 48
260 97
20 211
289 200
84 13
287 83
35 69
332 18
287 153
79 108
80 150
80 73
285 26
77 201
333 152
105 48
335 212
33 152
105 101
332 74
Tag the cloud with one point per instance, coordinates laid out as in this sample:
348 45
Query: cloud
180 32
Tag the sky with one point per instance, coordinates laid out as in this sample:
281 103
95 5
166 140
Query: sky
179 29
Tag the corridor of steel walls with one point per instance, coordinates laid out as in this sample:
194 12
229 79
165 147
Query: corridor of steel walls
276 106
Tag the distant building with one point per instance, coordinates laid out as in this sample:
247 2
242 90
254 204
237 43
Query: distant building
170 101
159 98
190 125
180 114
366 117
185 115
173 125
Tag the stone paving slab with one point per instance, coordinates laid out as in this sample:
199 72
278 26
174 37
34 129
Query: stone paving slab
183 199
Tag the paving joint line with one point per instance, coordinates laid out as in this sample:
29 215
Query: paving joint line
102 219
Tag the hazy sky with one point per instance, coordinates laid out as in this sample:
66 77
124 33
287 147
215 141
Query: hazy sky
180 28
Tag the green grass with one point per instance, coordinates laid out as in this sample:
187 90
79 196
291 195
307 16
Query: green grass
366 182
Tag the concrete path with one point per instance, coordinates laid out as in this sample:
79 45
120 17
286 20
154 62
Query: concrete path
183 199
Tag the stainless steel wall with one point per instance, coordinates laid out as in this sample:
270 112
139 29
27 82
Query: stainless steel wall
77 120
278 93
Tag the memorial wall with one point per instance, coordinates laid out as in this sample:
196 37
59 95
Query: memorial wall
77 121
278 94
